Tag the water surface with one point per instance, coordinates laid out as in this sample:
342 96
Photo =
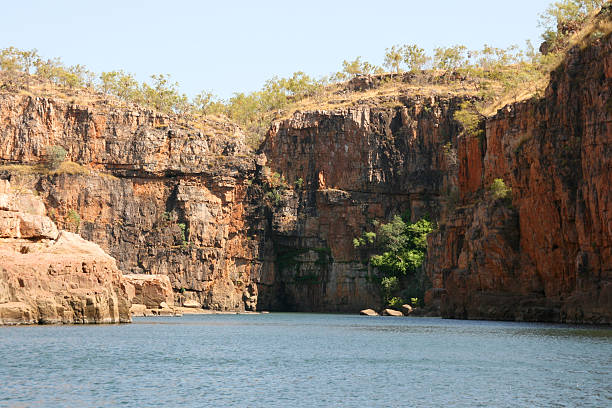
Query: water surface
305 360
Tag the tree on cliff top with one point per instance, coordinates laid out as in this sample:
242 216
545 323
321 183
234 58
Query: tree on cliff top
562 18
356 67
414 57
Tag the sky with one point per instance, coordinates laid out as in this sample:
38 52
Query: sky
227 46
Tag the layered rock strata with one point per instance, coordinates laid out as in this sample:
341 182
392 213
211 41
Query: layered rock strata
545 253
161 195
51 276
343 169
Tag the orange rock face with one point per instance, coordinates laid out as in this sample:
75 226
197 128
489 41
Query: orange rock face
355 165
548 255
51 277
174 205
150 290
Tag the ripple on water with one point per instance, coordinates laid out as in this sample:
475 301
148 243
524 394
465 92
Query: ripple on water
279 360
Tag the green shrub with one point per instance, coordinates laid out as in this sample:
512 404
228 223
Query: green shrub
54 157
397 250
74 219
562 18
396 302
469 117
450 58
183 229
499 190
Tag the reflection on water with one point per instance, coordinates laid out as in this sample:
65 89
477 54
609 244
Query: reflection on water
280 360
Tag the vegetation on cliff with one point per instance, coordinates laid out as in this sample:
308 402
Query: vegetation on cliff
397 250
496 76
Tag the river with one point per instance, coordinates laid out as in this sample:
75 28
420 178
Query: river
305 360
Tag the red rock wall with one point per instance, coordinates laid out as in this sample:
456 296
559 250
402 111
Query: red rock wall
548 255
173 204
357 165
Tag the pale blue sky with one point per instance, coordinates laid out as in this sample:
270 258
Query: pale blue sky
228 46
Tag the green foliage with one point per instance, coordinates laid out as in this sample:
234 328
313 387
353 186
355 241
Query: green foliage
206 103
367 238
121 84
388 284
410 56
401 245
450 58
275 196
163 94
356 67
499 190
469 117
396 302
73 218
564 17
54 157
414 57
393 58
13 59
183 229
397 250
299 183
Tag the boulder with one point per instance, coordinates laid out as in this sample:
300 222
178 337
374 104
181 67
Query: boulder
192 304
151 290
368 312
391 312
48 276
406 309
138 310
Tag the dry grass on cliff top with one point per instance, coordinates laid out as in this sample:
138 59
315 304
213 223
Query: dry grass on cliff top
66 167
18 83
513 83
386 91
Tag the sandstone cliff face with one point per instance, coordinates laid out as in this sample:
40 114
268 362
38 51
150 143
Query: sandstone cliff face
345 169
548 255
174 202
48 276
193 203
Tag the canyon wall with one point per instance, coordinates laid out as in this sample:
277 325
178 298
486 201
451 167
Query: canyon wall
344 169
236 230
545 254
168 198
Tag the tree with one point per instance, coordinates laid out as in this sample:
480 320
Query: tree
414 57
122 85
357 67
393 58
469 117
564 17
499 190
10 59
28 59
400 245
450 58
203 102
54 157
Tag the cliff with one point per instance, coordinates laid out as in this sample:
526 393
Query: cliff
235 229
160 194
546 256
51 276
347 167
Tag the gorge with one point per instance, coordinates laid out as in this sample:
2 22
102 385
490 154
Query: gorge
272 229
